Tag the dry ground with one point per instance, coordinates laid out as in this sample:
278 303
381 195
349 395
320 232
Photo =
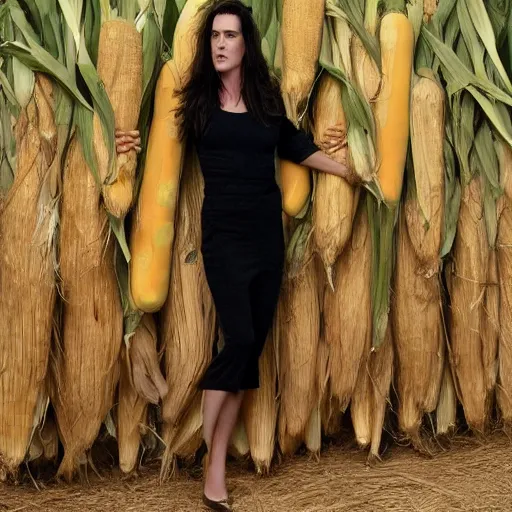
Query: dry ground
471 476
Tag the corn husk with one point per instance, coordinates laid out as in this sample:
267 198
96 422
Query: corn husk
27 281
347 312
371 394
333 206
425 212
467 287
301 32
381 376
418 330
140 383
185 39
299 335
361 407
366 71
86 359
239 445
188 316
504 250
259 408
446 412
120 69
429 9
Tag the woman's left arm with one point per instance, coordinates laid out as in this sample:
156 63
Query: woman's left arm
321 162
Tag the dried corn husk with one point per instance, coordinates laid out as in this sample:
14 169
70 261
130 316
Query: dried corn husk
188 316
381 376
425 213
347 311
140 383
299 335
86 359
239 446
27 281
361 407
429 9
333 207
504 249
259 408
185 440
419 340
301 33
185 38
120 69
446 412
467 286
366 71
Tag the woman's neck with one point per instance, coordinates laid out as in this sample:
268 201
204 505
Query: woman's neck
231 94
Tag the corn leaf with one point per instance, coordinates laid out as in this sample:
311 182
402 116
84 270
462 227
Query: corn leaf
441 16
459 76
101 103
151 45
263 12
415 15
492 114
38 59
128 9
117 226
371 15
483 26
92 27
32 7
8 91
499 12
170 18
474 46
463 114
72 14
24 82
452 196
351 12
487 159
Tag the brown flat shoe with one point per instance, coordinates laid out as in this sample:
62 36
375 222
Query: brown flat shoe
217 505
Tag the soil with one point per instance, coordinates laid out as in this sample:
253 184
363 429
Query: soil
467 475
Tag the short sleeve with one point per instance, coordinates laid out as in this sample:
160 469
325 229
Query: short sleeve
294 144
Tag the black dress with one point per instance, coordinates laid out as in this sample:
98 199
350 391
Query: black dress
242 236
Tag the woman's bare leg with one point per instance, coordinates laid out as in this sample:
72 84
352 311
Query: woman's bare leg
215 484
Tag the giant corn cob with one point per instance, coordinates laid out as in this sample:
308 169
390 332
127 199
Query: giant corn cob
120 69
392 104
86 367
27 283
300 324
425 213
467 294
504 388
153 229
300 53
347 312
333 206
140 383
419 341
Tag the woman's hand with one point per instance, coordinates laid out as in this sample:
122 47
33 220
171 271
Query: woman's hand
333 139
126 141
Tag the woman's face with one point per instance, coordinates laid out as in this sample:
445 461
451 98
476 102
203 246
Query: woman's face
227 43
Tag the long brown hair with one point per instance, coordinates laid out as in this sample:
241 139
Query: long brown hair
200 96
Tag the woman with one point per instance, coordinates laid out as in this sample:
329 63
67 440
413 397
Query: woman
232 110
